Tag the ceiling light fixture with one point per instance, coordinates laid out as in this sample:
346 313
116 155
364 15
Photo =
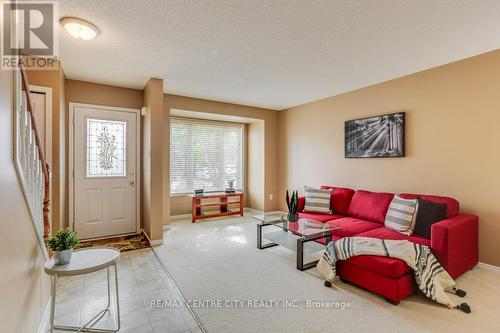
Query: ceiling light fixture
79 28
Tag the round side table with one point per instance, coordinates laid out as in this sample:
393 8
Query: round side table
83 262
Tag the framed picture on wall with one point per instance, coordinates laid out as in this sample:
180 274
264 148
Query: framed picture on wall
380 136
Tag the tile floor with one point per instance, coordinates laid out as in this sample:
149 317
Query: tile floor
141 279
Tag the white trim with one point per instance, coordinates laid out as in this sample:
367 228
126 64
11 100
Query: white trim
252 211
273 212
180 217
44 325
138 173
155 242
166 227
488 267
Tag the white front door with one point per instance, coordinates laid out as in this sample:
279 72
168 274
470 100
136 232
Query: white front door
105 171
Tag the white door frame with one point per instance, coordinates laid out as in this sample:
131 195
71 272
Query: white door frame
48 120
71 157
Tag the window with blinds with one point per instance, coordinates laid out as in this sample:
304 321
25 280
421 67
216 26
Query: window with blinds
205 155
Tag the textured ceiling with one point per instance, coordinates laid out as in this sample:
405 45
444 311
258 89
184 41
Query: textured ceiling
270 53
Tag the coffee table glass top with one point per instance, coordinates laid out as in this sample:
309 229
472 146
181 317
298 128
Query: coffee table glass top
303 227
270 217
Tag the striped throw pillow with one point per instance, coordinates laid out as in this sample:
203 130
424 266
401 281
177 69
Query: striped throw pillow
317 201
402 215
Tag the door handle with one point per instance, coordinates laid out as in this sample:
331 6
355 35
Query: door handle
131 182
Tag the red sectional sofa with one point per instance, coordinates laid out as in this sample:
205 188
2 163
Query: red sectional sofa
454 241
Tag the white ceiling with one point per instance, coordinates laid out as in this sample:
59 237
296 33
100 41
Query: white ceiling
273 53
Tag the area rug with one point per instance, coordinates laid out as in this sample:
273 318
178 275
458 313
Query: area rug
122 243
217 261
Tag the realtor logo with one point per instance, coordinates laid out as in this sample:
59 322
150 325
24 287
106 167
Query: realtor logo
29 34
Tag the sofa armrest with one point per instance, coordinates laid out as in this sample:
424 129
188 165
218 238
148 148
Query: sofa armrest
454 242
300 204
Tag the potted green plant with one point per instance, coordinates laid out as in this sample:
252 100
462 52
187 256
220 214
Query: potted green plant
292 203
62 244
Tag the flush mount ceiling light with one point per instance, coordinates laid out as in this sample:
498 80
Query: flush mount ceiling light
79 28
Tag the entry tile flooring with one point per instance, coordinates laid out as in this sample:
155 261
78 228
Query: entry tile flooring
141 280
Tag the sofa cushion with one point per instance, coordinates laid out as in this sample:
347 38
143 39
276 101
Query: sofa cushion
384 233
428 213
320 217
317 200
393 288
452 204
351 226
341 198
402 215
385 266
370 206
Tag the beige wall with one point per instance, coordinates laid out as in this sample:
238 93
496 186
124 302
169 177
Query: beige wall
181 205
452 137
55 79
256 164
101 94
24 288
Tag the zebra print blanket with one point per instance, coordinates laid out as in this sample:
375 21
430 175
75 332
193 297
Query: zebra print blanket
430 276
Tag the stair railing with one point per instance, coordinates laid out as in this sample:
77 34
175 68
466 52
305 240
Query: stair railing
32 168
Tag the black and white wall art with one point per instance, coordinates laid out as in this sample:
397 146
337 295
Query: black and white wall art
380 136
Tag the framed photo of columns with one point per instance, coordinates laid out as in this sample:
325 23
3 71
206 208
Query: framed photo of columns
380 136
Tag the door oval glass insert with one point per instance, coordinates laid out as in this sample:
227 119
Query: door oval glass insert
106 148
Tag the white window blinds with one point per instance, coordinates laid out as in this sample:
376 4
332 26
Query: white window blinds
205 155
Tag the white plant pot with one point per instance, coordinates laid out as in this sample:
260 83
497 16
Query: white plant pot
62 257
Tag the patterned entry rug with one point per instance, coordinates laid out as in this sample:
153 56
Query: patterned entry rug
122 243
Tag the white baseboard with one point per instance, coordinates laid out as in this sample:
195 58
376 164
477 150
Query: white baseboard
44 326
180 217
155 242
275 212
488 267
252 211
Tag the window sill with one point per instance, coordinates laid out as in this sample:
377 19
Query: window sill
177 195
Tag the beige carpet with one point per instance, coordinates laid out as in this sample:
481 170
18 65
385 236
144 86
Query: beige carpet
218 260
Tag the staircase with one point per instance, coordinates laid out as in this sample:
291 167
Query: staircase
31 166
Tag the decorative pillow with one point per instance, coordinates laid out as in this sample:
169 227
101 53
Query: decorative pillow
401 215
317 200
428 213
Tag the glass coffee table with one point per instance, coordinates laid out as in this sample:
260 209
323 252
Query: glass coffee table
304 229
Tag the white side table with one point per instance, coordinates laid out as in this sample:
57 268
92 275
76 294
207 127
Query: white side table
83 262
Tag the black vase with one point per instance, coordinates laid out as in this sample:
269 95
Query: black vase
292 217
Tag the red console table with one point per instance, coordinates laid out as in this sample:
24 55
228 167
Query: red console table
225 207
